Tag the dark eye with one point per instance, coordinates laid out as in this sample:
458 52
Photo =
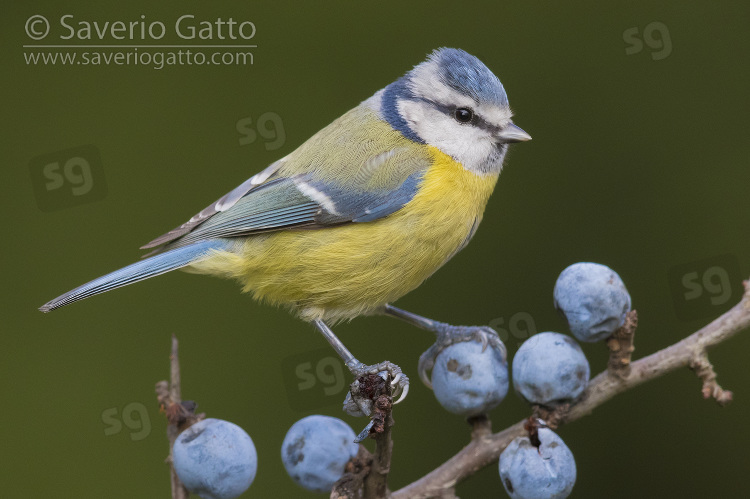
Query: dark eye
463 115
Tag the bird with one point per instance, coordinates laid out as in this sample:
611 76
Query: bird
361 213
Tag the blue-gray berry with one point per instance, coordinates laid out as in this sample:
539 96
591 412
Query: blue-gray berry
593 299
550 369
215 459
469 381
316 450
547 472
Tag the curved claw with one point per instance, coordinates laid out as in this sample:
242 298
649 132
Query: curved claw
426 363
449 335
400 387
355 407
494 339
483 338
403 394
399 382
364 433
486 335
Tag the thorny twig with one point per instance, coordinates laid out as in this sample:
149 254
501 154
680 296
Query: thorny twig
689 352
180 415
366 476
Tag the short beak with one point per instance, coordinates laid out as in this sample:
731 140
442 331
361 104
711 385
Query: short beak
512 133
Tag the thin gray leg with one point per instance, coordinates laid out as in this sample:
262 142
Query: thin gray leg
447 335
415 320
349 359
400 382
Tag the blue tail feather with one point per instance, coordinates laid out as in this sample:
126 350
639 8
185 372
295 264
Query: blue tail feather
150 267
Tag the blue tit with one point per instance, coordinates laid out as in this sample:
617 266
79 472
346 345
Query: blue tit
361 213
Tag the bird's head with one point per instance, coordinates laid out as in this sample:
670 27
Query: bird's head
453 102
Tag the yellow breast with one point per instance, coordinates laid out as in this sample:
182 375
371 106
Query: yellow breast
342 272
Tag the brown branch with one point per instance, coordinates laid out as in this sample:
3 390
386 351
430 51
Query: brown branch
711 389
483 451
376 481
366 475
621 346
552 417
351 484
169 398
481 426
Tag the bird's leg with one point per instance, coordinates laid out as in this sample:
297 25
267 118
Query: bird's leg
399 383
447 335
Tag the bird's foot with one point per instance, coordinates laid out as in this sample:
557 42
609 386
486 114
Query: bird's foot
363 392
448 335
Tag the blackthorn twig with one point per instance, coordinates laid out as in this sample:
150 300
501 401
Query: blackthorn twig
482 452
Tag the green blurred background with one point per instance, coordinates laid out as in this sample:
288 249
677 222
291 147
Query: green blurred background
639 161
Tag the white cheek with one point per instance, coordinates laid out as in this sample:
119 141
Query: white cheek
468 145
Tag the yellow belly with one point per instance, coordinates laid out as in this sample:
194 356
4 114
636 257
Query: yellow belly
342 272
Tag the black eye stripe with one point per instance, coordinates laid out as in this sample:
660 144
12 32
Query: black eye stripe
449 110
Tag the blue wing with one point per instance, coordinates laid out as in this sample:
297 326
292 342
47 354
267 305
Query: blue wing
300 201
